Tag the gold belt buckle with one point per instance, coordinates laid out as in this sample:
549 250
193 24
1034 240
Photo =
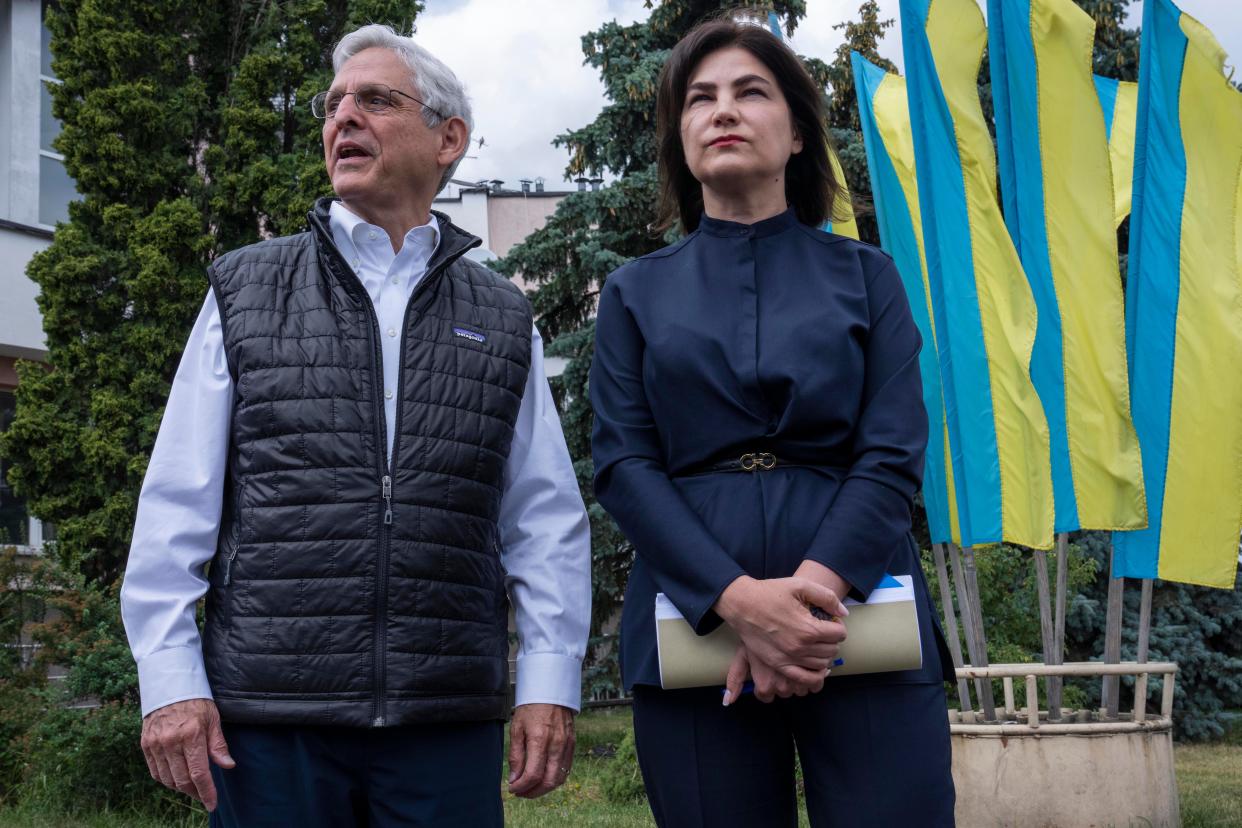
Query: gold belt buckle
758 461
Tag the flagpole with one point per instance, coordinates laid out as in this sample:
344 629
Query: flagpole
1112 638
1045 613
1058 633
950 624
1144 635
976 618
972 623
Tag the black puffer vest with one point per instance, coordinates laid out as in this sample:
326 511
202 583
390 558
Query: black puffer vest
344 591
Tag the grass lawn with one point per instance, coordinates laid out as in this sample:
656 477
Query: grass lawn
1209 780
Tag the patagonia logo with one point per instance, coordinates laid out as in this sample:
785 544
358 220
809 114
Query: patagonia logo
471 335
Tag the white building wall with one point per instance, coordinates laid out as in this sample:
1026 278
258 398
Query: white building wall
21 327
21 33
468 210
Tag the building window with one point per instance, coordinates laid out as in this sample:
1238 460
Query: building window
56 188
17 527
14 520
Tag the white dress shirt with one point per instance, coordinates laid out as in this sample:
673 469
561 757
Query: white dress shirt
544 532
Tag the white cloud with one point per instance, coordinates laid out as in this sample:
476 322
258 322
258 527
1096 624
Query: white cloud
521 61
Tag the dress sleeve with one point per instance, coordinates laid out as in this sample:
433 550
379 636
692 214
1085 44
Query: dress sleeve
869 519
631 482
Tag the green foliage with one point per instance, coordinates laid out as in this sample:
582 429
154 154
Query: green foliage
622 781
187 130
71 742
1199 628
1009 595
79 760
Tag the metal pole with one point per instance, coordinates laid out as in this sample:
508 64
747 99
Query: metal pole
976 620
1045 614
1112 639
950 623
1058 632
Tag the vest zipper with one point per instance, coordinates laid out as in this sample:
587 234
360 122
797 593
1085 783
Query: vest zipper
380 669
386 489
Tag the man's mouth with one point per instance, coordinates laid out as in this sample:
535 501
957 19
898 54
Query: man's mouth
348 151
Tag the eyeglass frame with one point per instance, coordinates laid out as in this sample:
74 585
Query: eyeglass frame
322 97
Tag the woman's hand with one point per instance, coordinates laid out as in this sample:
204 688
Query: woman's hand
768 683
774 621
820 574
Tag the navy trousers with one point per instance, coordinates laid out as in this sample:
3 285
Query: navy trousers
874 755
429 776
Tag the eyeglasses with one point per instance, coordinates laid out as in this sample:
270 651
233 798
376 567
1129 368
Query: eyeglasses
371 97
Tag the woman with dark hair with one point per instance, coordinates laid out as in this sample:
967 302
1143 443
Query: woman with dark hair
759 438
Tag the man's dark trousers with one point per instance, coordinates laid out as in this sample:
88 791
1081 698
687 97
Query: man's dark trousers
429 776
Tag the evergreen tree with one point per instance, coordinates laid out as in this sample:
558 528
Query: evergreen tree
863 36
188 132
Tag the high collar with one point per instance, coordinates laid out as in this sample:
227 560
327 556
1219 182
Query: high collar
760 229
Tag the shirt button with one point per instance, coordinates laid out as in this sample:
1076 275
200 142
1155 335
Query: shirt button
388 394
356 262
371 235
392 331
394 280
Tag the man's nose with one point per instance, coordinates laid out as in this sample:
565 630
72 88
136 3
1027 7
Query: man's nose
348 113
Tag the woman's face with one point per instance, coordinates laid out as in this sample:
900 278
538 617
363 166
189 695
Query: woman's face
736 128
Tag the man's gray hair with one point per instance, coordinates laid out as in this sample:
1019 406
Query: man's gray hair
436 84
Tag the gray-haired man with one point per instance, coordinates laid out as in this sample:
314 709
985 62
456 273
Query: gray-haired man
361 444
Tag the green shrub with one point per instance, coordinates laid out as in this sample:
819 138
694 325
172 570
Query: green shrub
622 781
83 760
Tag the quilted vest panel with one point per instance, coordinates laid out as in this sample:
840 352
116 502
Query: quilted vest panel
346 590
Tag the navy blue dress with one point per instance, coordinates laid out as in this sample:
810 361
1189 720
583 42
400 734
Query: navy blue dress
773 337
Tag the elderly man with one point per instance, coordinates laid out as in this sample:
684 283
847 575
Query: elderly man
360 464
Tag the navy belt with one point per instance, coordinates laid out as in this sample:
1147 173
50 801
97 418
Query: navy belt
752 461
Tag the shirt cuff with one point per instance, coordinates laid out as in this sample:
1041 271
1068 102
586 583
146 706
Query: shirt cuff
549 678
169 676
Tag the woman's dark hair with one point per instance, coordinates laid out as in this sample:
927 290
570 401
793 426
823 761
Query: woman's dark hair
811 187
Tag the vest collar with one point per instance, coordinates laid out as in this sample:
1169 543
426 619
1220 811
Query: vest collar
454 242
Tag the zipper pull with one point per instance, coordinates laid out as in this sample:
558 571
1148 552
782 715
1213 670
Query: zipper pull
387 489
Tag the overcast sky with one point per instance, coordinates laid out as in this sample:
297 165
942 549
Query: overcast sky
521 61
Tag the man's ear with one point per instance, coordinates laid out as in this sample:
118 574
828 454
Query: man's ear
454 140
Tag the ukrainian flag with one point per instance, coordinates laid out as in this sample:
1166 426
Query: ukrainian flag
1057 189
1184 305
984 312
1119 100
841 221
895 190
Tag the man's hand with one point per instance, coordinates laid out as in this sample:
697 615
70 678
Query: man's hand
541 749
179 741
773 619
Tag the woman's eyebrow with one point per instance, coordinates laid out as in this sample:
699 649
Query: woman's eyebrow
708 86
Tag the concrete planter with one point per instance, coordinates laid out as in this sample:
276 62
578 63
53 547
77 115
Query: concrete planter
1081 769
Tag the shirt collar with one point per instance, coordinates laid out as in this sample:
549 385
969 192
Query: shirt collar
346 224
778 223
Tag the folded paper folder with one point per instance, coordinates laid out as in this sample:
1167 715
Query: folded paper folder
882 635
